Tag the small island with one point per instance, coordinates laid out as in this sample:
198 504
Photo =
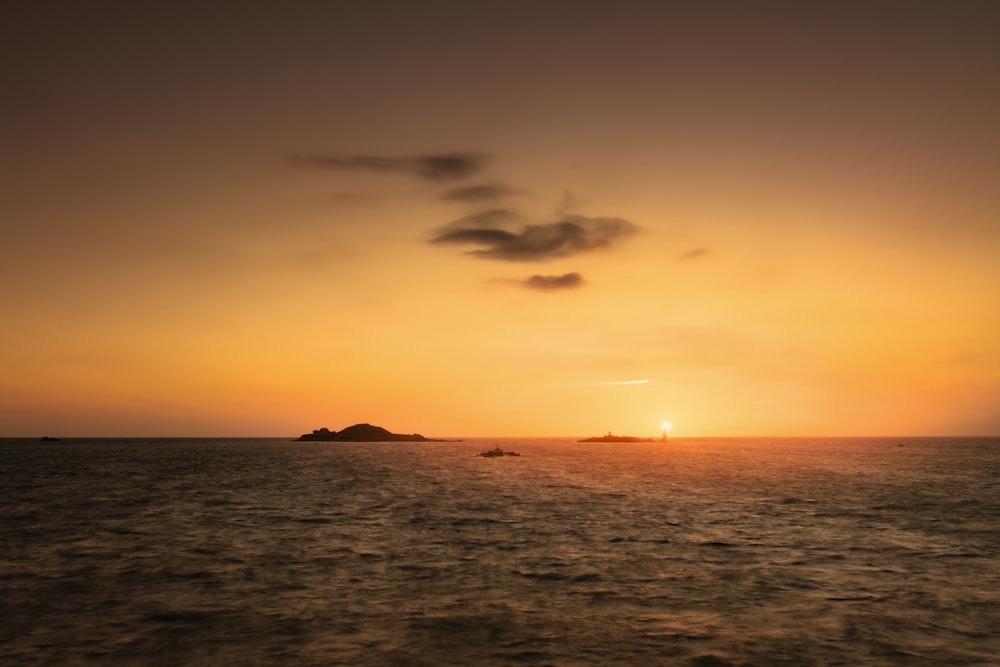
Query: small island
493 453
616 438
48 438
363 433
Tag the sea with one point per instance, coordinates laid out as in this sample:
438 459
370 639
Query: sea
695 552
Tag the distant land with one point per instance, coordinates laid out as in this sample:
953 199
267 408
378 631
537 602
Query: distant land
364 433
617 438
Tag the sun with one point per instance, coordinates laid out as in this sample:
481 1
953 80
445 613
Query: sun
666 426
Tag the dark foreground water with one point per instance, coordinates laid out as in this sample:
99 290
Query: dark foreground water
699 553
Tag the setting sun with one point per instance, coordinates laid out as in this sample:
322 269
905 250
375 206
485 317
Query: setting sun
666 426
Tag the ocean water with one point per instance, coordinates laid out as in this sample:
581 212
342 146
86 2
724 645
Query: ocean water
700 553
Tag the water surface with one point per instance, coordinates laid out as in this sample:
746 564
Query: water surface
698 552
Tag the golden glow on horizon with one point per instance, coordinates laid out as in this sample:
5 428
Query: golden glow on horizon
665 426
825 267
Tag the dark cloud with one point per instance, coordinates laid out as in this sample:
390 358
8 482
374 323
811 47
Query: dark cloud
693 254
479 193
432 167
553 283
571 235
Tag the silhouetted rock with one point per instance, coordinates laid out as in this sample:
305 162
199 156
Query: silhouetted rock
497 452
49 438
364 433
319 434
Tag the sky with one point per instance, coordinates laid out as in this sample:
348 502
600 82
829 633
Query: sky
500 219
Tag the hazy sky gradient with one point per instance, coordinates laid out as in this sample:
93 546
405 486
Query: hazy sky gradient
472 219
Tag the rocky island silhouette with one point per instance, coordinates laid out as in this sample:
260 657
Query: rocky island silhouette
364 433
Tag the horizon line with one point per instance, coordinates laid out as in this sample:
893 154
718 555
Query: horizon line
671 437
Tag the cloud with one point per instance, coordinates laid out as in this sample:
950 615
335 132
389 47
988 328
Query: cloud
479 193
553 283
435 167
569 236
693 254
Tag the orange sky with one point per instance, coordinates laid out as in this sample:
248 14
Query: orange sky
538 219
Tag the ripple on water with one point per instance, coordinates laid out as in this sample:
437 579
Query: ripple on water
704 553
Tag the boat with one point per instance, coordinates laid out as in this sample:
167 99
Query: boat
493 453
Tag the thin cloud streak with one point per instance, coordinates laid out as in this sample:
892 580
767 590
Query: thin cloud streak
554 283
694 253
484 192
435 167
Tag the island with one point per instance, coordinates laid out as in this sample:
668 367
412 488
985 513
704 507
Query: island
616 438
364 433
49 438
497 452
